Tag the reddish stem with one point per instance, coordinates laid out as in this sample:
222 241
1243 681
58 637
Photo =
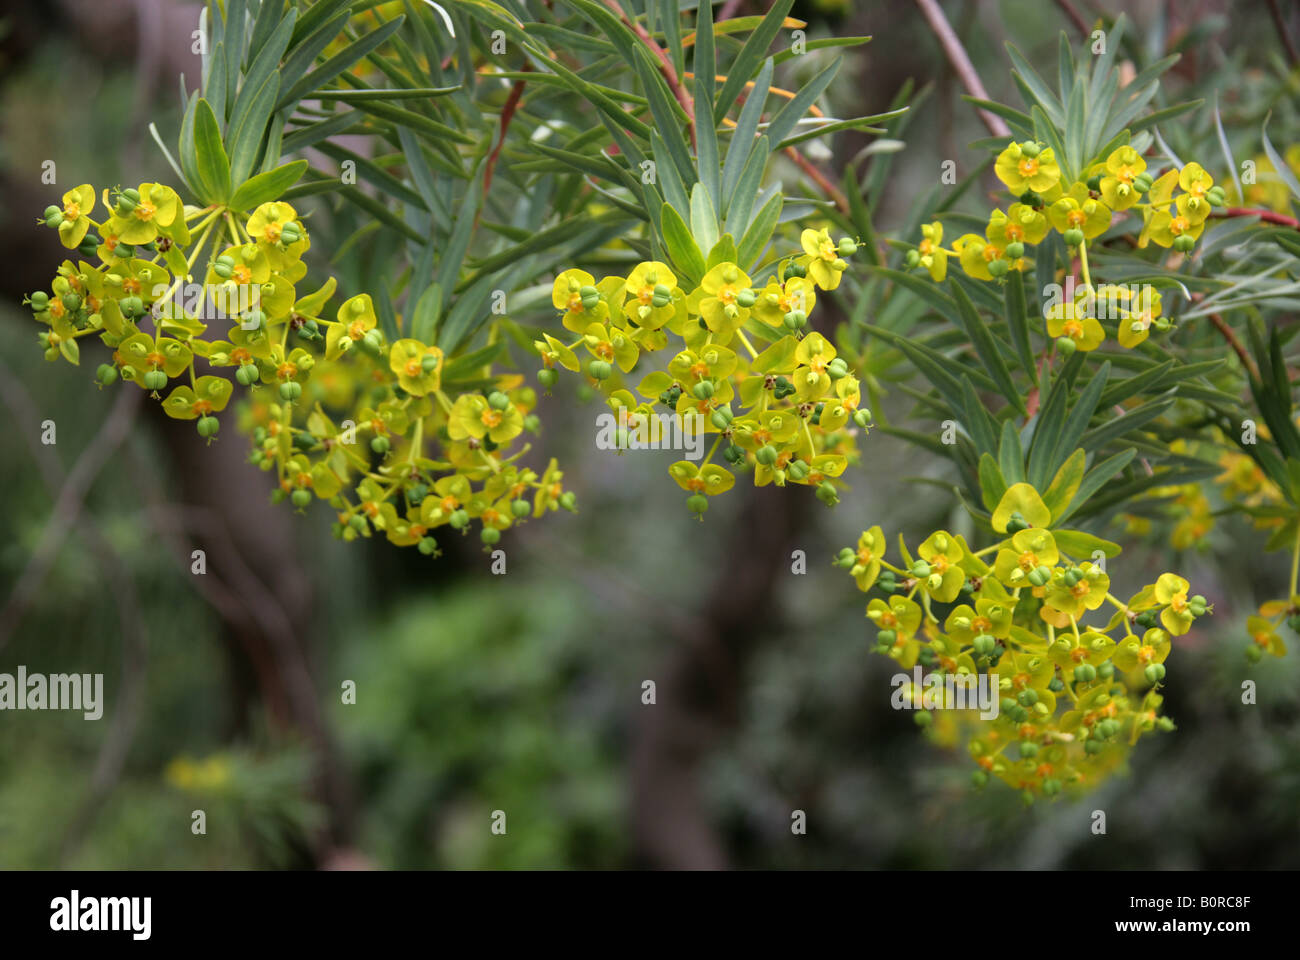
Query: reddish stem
507 113
1268 216
665 65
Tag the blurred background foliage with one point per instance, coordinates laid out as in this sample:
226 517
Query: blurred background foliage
522 693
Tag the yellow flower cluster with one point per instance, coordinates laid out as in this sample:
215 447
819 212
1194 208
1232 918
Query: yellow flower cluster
788 408
336 410
1080 212
1070 697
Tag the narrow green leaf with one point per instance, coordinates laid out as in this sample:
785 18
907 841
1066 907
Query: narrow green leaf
682 248
1134 419
977 420
1011 457
268 186
428 310
704 224
790 114
986 348
992 484
1061 490
1100 475
760 232
213 166
248 128
748 186
705 59
753 51
706 151
331 68
724 251
452 257
1076 424
1018 321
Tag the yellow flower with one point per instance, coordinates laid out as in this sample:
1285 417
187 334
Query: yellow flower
1167 226
823 258
473 416
721 288
811 379
1078 211
1021 171
1122 167
776 300
1020 224
933 256
77 204
650 289
418 367
1136 314
1073 319
575 293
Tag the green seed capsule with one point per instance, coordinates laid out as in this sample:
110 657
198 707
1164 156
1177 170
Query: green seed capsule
600 369
490 536
380 445
247 374
698 503
703 390
301 498
1015 250
886 636
208 426
427 546
827 494
766 455
106 374
547 377
497 400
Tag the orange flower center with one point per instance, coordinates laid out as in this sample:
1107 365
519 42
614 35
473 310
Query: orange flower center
145 210
491 418
1028 166
241 274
